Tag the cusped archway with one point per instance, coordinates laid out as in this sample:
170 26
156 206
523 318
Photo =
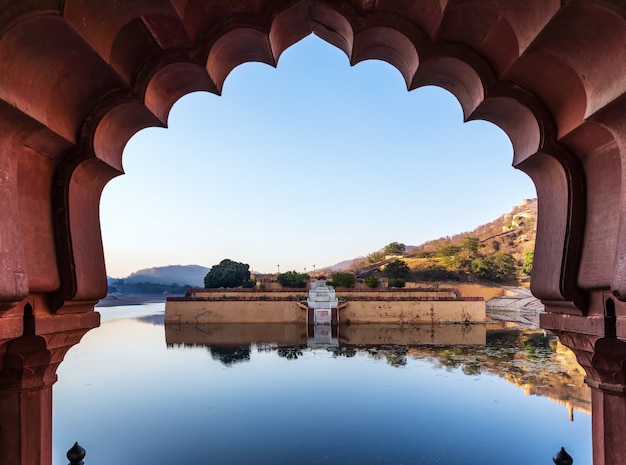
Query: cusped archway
80 77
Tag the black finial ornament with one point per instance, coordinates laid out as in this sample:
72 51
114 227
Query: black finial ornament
76 455
563 458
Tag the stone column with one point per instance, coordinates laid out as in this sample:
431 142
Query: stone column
26 425
28 366
603 359
606 378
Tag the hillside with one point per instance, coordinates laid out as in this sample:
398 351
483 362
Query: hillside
512 233
192 275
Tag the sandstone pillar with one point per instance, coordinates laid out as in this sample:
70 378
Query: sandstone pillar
593 338
28 365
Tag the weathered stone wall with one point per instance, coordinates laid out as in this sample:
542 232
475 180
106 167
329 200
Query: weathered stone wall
371 311
283 294
413 312
295 294
233 311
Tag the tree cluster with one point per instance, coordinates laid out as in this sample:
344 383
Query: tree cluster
293 279
342 280
395 248
466 258
457 262
397 269
227 273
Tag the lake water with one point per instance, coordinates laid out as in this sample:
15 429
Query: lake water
134 392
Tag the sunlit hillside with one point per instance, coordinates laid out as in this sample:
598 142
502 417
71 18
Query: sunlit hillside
510 237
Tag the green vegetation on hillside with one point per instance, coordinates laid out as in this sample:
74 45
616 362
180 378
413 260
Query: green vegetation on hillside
499 251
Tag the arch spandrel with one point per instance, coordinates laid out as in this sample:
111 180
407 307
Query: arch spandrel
289 26
334 28
13 277
388 45
524 129
498 31
550 73
116 128
99 23
560 88
557 248
55 78
234 48
613 120
426 14
600 160
482 28
231 34
173 81
598 28
130 50
454 75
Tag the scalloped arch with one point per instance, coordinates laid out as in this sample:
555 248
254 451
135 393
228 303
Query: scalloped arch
518 66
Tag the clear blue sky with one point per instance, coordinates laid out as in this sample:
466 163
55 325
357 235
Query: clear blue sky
309 163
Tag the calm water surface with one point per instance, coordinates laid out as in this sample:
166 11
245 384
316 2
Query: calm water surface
132 393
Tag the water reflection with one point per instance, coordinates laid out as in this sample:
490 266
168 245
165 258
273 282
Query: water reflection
534 360
133 393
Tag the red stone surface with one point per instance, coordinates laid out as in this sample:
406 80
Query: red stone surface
79 78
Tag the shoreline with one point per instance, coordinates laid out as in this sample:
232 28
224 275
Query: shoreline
131 299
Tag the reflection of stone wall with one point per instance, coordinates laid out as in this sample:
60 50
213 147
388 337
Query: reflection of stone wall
295 335
236 334
376 334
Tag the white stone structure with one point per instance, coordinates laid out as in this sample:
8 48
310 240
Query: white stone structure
322 300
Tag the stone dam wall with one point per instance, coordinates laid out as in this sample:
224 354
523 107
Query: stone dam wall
381 307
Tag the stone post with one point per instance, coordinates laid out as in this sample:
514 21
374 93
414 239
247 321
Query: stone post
603 359
28 366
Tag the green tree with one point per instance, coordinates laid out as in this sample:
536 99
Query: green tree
448 250
470 244
372 281
227 273
396 282
527 268
375 257
343 280
292 279
397 269
395 248
498 267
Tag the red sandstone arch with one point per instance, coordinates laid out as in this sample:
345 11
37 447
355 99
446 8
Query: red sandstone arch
78 78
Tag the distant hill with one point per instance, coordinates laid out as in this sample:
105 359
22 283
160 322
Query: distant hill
341 266
192 275
513 233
